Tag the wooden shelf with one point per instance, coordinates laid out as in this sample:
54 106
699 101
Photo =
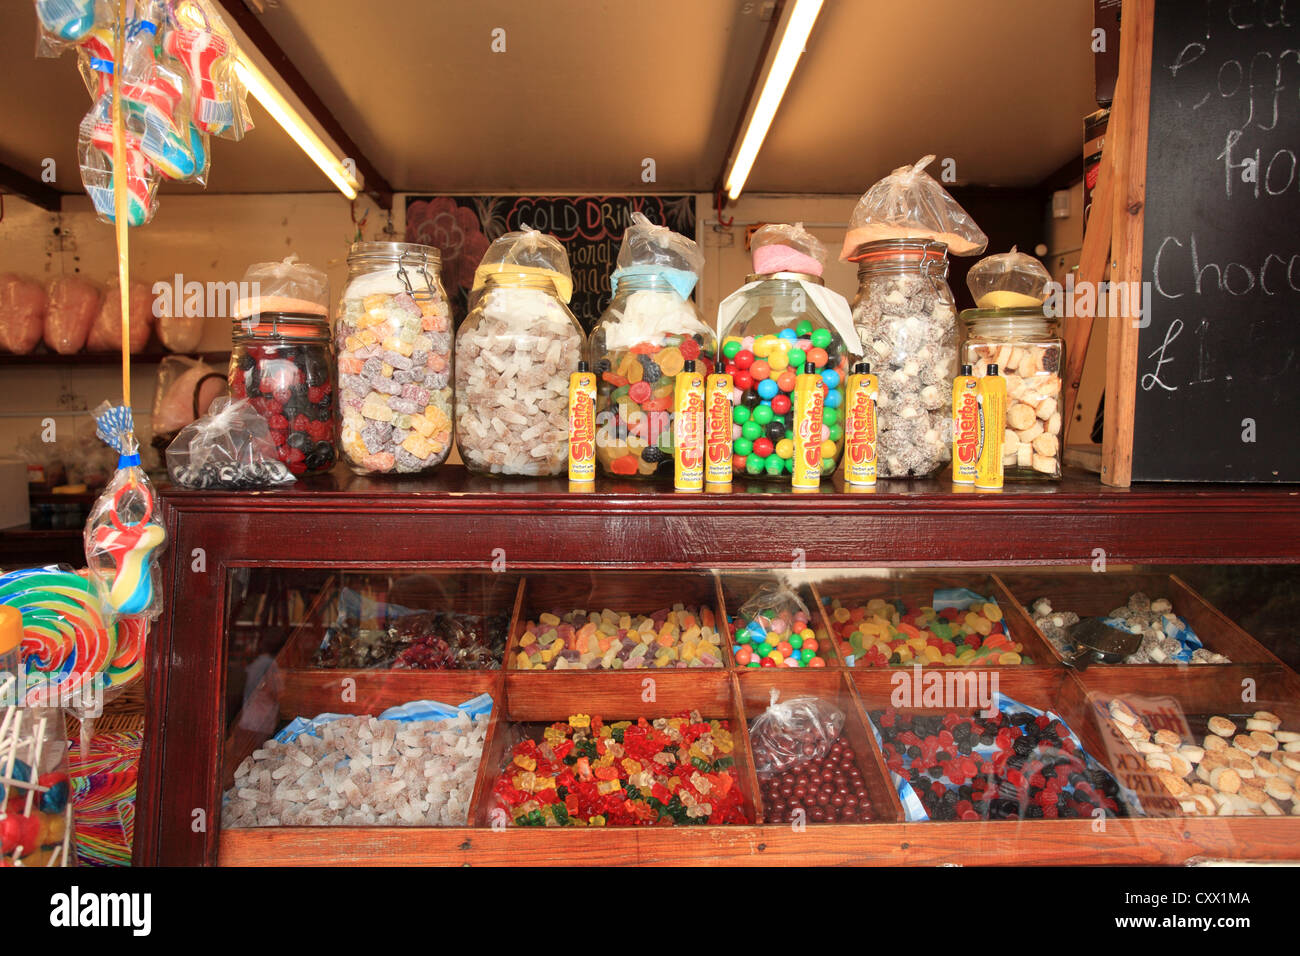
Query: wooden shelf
453 520
151 356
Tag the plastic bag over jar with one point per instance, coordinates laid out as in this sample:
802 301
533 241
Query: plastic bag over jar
286 285
395 354
514 353
782 318
650 329
230 448
74 304
910 204
1009 280
906 317
23 306
793 732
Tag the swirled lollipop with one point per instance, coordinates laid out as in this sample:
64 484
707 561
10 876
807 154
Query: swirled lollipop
65 633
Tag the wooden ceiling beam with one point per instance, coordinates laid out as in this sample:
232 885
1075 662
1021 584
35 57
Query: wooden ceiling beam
33 190
376 186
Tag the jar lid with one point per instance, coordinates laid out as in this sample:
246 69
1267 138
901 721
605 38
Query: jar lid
282 325
904 249
1009 321
393 251
786 276
11 628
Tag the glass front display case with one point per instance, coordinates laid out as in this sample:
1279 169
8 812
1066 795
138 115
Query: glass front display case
1051 711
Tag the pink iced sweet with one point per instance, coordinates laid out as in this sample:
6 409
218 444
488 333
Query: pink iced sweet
778 258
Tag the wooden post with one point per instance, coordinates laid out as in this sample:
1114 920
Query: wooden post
1127 148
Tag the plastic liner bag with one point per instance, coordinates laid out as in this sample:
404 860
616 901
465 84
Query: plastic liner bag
186 388
910 204
74 304
199 40
648 249
106 331
124 531
779 247
229 448
1008 280
283 286
23 307
1087 788
774 609
528 252
793 732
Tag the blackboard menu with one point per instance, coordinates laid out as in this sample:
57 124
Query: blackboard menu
1219 356
591 228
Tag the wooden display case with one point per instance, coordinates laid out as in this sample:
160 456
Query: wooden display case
620 544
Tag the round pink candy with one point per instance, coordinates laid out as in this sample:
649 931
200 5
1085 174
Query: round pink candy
769 259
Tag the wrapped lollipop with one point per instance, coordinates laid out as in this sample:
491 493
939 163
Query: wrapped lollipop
205 49
62 24
125 530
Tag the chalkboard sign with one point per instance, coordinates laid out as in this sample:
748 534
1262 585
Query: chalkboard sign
591 228
1218 380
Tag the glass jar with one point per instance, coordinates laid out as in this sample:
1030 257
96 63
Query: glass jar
283 362
637 349
514 354
395 360
777 330
1029 351
907 319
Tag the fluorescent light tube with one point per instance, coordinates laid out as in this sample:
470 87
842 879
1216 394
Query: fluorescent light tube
802 14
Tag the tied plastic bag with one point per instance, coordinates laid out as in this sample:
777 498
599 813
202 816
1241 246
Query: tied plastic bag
196 37
62 24
910 204
74 304
528 252
778 247
23 306
186 389
773 611
124 531
106 331
1009 280
230 447
792 733
648 249
284 286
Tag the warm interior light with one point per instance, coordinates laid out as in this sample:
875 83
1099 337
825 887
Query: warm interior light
789 47
264 91
284 114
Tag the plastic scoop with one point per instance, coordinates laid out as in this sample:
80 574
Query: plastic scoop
1098 642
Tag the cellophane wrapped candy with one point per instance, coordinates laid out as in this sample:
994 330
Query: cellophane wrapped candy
124 531
230 447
